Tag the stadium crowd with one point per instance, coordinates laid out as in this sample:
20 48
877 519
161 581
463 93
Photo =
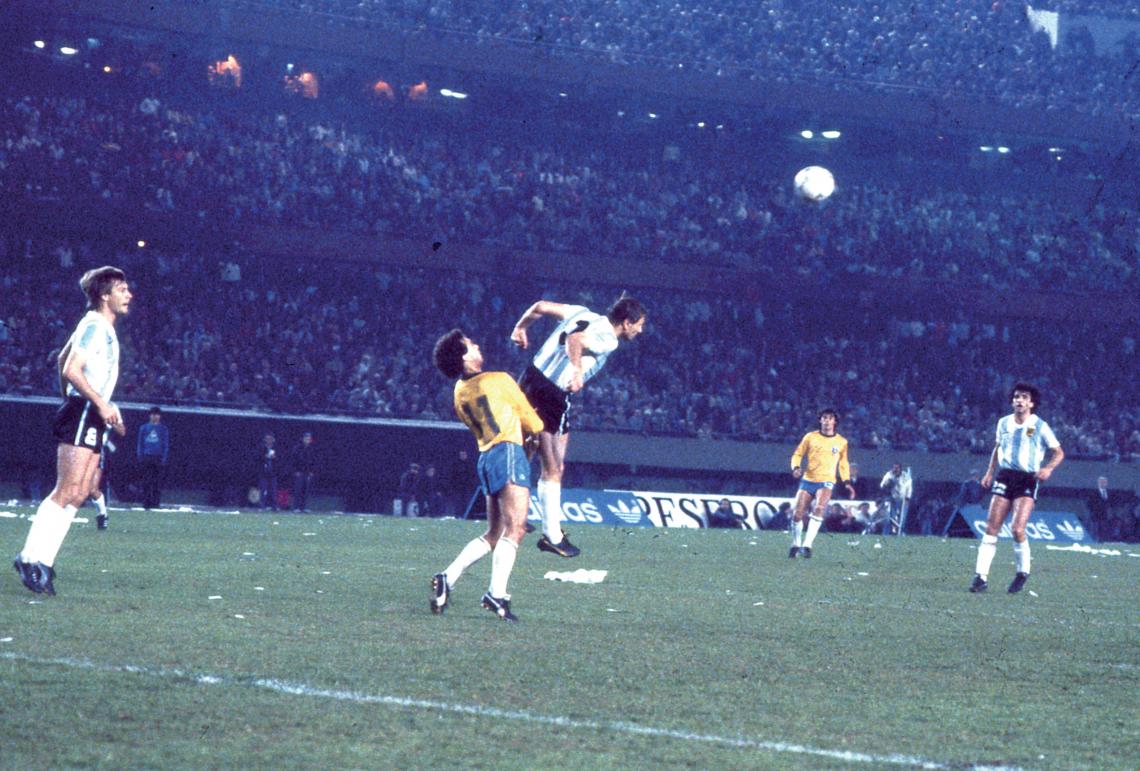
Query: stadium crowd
260 333
986 50
519 192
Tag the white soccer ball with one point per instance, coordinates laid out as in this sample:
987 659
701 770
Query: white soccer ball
814 183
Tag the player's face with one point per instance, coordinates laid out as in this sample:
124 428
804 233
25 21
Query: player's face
119 298
827 424
473 359
1022 403
631 329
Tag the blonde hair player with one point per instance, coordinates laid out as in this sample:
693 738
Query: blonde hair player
88 371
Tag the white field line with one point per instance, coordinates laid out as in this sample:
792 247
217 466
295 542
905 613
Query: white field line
494 713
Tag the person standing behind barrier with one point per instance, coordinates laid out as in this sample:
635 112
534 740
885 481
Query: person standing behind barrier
407 502
88 371
304 467
267 473
1017 467
152 448
898 486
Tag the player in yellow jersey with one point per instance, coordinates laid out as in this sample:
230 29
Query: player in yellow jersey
502 421
825 452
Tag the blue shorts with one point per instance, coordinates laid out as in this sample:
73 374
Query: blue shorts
811 488
503 464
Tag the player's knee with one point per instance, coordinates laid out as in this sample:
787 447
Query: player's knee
1018 533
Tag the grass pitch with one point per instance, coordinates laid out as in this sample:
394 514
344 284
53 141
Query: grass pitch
207 640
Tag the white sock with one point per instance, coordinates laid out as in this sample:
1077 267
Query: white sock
100 505
502 563
40 534
813 527
60 524
550 496
474 551
797 533
1021 552
986 551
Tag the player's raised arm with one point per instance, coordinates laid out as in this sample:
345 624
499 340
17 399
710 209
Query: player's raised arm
533 314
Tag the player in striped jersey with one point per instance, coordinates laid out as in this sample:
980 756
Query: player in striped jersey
88 369
826 454
502 421
1017 465
573 353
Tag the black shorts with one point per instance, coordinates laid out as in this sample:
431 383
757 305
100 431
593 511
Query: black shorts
1015 484
78 423
550 402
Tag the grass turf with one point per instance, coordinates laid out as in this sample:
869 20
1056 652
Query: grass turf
206 639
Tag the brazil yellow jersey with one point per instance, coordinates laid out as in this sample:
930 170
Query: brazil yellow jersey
494 408
824 455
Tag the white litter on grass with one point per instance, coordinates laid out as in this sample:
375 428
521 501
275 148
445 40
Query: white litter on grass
5 639
308 533
238 615
214 597
579 576
326 572
259 588
81 520
757 604
247 554
853 543
862 574
8 515
1085 549
1032 593
612 610
878 546
751 543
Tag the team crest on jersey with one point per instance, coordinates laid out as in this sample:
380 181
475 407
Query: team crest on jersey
834 450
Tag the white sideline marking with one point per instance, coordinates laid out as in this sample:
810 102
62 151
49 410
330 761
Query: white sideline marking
617 726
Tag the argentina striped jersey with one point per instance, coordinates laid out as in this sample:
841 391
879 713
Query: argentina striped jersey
96 337
598 342
1022 446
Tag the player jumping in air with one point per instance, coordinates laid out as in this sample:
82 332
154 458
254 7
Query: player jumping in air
501 418
826 453
573 353
1023 442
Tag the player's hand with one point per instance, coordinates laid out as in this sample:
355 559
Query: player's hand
1044 473
110 415
530 446
987 481
575 384
797 472
850 492
120 427
518 337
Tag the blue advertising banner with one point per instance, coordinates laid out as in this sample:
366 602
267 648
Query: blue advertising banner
1043 525
640 508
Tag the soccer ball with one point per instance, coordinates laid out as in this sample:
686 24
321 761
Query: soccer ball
814 183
